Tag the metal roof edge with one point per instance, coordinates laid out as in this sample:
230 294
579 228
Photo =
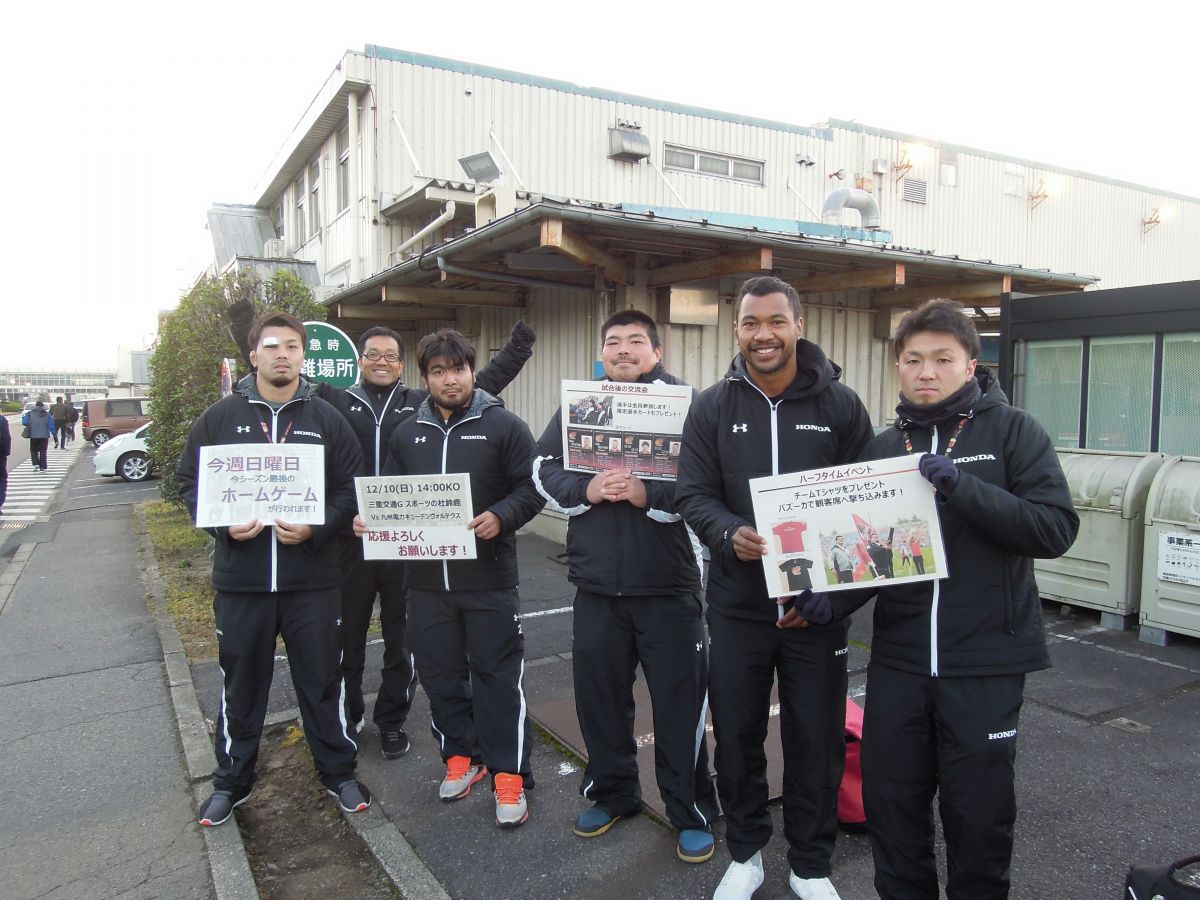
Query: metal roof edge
567 87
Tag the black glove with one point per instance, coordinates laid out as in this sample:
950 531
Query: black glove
940 471
522 335
815 608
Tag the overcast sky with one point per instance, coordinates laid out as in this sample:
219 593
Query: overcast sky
127 121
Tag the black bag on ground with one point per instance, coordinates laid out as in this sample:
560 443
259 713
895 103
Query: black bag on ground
1168 882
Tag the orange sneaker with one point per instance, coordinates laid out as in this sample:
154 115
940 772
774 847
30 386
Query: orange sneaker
511 808
461 775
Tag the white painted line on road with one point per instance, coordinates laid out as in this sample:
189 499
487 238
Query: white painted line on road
547 612
114 493
1127 653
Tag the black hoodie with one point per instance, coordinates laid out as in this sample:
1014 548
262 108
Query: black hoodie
617 549
733 433
1011 505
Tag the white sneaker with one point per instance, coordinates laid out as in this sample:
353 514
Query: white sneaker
812 888
741 879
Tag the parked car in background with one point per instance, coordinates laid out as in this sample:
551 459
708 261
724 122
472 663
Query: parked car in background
126 455
107 418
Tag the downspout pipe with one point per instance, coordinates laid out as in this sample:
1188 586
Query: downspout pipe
868 209
451 269
446 216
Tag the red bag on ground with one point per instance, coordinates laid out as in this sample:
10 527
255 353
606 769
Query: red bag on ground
851 813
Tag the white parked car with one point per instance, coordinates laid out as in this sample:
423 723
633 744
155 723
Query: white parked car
126 455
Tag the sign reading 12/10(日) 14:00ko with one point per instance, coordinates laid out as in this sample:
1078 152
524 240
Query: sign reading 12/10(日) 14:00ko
329 355
416 517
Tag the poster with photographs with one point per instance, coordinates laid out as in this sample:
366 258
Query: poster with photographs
847 526
615 425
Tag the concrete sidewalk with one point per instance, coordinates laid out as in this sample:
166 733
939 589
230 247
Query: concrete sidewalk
95 801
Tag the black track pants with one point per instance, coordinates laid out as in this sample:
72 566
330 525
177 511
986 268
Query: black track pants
470 654
362 579
247 625
666 635
744 658
956 737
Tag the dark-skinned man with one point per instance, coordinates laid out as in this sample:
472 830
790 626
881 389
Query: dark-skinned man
637 569
780 408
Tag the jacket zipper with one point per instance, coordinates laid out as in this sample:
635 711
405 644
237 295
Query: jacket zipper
774 407
933 611
445 448
378 420
274 537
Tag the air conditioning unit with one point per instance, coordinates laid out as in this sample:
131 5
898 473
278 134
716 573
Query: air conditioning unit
276 248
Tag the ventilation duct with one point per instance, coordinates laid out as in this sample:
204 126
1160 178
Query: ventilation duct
868 209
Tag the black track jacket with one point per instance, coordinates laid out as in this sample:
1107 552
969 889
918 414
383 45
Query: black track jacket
733 433
374 412
263 564
1011 505
496 448
616 549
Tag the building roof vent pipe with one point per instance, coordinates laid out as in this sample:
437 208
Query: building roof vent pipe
868 209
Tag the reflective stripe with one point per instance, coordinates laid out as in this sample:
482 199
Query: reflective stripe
550 501
696 751
520 719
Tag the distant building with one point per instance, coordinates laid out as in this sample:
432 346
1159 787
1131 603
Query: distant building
46 384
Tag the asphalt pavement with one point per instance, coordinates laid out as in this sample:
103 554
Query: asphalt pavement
99 798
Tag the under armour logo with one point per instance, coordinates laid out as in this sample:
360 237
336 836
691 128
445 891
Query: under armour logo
339 622
356 409
743 428
699 646
243 429
419 440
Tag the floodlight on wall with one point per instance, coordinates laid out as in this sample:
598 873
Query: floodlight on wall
480 167
1047 187
1157 216
913 155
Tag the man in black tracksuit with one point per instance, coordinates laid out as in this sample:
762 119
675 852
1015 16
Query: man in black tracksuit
465 629
278 578
374 407
779 409
948 658
637 570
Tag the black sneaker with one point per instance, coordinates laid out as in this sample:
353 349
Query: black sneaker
395 743
352 796
217 809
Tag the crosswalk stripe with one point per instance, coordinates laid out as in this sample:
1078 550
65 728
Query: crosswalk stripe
30 490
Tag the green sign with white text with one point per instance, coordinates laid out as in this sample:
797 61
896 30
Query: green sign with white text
329 355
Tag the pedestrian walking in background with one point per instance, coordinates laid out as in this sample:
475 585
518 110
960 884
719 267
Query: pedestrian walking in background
39 428
5 451
59 413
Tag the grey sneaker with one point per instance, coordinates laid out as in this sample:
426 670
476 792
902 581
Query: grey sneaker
352 796
511 808
217 809
461 775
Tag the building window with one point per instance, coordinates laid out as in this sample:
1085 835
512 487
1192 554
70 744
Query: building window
1178 424
1053 388
280 217
343 173
1120 381
314 197
299 196
716 164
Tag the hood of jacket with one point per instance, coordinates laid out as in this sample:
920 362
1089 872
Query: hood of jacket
814 371
480 400
248 388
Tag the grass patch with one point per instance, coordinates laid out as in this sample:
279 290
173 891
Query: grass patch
182 551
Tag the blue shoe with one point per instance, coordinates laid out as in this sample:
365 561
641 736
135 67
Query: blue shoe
594 821
695 845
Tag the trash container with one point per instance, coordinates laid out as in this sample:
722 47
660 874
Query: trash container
1102 570
1171 561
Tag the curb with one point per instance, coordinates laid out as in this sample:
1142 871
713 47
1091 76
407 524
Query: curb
227 860
8 578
